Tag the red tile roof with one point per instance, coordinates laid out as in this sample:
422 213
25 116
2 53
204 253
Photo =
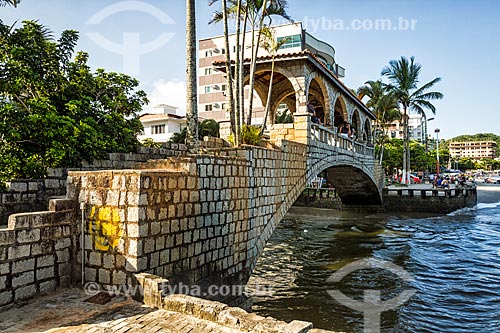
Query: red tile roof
151 116
306 54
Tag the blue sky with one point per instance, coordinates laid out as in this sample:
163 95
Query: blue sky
456 40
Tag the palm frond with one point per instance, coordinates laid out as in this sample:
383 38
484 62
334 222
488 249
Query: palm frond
427 86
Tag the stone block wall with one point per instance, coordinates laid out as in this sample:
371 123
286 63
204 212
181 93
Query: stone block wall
28 195
31 195
36 253
199 220
430 201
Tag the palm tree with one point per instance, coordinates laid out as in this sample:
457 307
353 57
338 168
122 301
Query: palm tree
229 73
223 16
191 79
271 45
9 2
258 10
384 104
403 75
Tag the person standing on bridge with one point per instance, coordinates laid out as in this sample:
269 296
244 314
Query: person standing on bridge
345 130
312 111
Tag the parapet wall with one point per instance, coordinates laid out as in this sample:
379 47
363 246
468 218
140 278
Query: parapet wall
197 220
36 253
429 201
31 195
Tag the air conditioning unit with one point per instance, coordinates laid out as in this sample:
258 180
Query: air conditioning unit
216 50
216 105
216 87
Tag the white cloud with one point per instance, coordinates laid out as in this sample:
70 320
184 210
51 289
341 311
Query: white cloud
168 92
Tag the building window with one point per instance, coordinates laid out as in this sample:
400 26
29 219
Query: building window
208 53
158 129
223 50
224 87
292 41
208 89
224 106
208 107
208 71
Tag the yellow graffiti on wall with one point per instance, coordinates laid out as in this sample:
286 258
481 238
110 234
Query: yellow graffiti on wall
104 227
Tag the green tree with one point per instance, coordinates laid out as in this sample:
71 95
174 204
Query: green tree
284 117
55 111
403 77
384 104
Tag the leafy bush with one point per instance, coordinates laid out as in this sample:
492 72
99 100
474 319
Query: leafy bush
284 117
250 135
207 127
148 142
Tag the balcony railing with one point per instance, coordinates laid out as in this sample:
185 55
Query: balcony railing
331 137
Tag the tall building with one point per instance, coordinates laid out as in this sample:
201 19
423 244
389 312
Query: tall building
213 103
473 149
417 128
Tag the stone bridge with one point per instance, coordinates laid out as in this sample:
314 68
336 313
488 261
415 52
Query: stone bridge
197 219
204 219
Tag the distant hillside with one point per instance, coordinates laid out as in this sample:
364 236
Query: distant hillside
480 137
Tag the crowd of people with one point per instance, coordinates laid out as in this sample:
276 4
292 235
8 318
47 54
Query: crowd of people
445 182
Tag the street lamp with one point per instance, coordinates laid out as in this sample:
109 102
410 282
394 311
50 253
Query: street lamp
437 130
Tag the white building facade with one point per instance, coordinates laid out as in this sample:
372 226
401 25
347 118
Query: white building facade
162 124
417 128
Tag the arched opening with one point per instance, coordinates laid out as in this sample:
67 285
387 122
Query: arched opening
356 124
353 186
367 132
339 112
283 92
318 97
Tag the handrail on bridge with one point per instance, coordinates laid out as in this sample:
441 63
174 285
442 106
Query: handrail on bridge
331 137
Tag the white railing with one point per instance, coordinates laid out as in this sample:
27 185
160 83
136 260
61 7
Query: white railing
331 137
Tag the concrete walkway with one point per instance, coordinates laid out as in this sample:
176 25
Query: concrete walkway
66 311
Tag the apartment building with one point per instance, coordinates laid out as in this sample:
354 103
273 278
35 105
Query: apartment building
212 89
473 149
417 128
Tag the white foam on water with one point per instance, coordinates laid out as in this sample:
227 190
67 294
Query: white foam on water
488 205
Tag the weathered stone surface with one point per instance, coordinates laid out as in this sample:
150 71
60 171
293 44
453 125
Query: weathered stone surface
23 266
5 297
23 279
20 251
25 292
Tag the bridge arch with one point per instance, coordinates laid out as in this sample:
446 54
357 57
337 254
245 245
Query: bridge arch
340 112
317 93
353 185
356 123
285 89
367 132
